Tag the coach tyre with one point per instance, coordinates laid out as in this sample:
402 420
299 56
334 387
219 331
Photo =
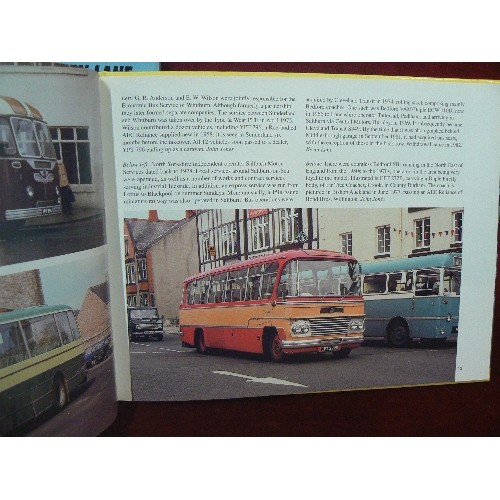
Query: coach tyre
398 334
59 392
275 348
199 342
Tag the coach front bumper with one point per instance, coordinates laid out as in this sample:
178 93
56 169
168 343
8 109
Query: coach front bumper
347 342
27 213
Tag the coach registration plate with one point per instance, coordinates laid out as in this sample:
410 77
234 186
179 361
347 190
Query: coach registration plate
329 348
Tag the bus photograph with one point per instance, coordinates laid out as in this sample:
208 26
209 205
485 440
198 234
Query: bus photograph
29 177
297 301
51 175
41 363
413 298
290 300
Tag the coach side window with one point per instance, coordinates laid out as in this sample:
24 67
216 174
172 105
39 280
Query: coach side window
12 347
254 283
7 144
201 290
396 283
427 283
375 283
236 284
269 273
64 327
217 286
41 334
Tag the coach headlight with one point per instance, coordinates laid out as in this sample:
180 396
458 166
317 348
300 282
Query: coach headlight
356 325
30 191
301 327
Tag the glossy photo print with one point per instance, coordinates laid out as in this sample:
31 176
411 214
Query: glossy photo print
254 302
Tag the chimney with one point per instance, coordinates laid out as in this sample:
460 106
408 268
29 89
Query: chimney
153 215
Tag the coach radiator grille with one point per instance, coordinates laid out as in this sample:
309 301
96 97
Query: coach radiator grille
327 326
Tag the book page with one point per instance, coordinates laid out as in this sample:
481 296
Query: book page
215 169
56 349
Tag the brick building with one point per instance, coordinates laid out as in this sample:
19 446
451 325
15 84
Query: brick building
21 290
93 318
140 235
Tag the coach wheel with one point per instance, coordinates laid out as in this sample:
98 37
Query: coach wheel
60 394
275 348
398 335
200 345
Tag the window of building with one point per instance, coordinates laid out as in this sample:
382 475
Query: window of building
458 218
132 300
142 269
144 299
126 247
289 225
260 232
423 233
383 240
346 243
205 245
72 145
228 234
130 273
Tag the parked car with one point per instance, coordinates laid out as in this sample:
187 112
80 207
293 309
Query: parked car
144 322
98 352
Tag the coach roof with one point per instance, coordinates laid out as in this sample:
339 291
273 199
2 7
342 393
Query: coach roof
31 312
278 256
11 106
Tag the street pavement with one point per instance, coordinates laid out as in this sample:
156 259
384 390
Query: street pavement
166 371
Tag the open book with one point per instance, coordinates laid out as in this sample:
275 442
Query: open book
309 233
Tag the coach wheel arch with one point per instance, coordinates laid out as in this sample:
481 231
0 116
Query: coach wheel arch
398 332
271 344
199 341
59 392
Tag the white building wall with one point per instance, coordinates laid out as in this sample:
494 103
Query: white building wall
363 224
174 258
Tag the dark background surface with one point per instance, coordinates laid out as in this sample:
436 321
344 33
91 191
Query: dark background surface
467 409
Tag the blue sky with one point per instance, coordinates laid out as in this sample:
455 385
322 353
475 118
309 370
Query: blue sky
68 282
